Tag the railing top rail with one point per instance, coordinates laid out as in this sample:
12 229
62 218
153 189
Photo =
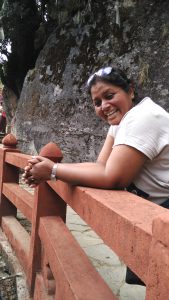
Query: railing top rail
133 208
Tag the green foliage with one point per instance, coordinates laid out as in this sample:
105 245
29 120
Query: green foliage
20 20
26 25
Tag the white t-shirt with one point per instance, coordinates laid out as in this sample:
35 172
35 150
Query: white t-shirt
146 128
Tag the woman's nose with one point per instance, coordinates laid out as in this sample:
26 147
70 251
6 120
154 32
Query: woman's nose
105 105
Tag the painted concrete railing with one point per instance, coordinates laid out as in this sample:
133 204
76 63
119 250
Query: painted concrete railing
55 265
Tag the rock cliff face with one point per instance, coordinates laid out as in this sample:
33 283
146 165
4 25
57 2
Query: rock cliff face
54 105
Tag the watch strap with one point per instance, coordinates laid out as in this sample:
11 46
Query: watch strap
53 175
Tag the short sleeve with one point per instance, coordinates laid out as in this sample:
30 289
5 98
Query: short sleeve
142 130
113 130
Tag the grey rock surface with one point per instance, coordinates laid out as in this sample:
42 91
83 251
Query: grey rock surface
54 105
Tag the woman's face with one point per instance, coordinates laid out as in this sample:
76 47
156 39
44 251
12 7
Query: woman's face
111 102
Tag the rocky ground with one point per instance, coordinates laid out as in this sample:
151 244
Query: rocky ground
7 282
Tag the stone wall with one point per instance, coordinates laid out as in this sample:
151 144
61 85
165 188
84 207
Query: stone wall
54 105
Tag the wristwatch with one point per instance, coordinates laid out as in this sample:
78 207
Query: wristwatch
53 175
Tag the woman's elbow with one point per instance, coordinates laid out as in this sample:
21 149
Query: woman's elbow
116 183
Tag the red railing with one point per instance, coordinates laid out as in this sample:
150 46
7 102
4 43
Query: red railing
55 265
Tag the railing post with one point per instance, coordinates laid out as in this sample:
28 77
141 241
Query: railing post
158 270
8 173
46 203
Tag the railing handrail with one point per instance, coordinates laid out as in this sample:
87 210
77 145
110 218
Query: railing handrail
17 159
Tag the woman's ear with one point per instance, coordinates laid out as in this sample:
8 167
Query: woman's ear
131 92
132 96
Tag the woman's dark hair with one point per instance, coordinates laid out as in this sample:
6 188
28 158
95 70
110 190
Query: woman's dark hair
110 75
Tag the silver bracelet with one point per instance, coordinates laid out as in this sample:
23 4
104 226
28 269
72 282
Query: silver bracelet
53 174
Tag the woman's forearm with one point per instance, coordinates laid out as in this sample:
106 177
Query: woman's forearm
86 174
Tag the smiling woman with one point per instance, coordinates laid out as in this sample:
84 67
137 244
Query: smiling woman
111 102
135 155
112 94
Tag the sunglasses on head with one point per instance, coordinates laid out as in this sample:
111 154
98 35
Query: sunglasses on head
100 73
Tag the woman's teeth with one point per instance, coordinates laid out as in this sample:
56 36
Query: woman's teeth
111 113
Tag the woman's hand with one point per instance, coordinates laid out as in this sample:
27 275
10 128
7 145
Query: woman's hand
38 170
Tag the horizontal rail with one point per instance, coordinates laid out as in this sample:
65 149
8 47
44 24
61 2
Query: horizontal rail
18 238
129 216
17 159
56 237
21 198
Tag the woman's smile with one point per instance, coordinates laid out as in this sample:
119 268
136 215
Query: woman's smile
111 113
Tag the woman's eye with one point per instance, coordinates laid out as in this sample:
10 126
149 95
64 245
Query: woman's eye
109 96
98 103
